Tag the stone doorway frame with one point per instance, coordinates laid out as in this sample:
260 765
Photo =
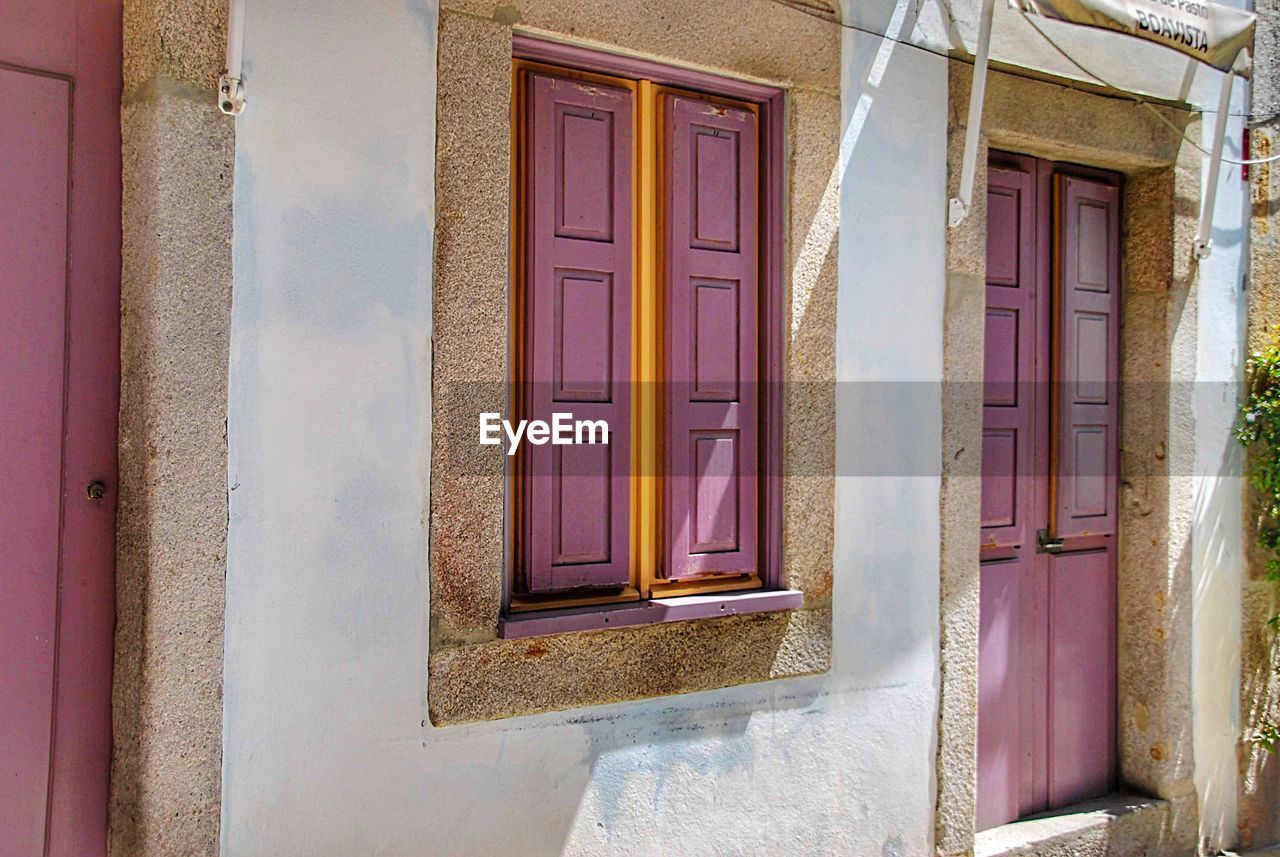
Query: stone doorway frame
1158 341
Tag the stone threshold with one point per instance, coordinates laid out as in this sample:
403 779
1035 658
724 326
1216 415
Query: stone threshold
1117 824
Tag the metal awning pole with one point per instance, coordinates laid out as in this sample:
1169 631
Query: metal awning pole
1204 238
231 83
959 206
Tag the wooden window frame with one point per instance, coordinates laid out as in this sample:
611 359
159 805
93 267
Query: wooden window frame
648 80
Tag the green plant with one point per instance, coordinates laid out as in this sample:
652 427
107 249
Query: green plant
1260 431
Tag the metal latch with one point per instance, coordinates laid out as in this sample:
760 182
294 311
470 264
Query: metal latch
1046 543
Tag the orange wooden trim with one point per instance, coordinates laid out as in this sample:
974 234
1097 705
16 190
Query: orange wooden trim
515 309
1056 373
526 66
700 586
647 430
586 598
712 99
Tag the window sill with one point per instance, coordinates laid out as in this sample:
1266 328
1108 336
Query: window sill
652 612
1114 824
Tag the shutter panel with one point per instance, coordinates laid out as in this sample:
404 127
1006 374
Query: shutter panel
578 331
1087 362
1009 391
711 330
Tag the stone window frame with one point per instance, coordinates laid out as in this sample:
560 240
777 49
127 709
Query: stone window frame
1155 803
473 672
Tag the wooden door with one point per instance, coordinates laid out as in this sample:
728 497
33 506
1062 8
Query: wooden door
59 283
1046 720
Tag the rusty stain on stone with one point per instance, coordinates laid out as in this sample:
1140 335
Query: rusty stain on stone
1259 188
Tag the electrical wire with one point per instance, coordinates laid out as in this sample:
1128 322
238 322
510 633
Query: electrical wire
1137 100
806 8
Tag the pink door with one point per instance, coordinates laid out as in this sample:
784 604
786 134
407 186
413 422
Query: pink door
59 346
1046 718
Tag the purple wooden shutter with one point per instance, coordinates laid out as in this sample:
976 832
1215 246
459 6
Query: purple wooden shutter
578 327
1009 390
1088 360
711 306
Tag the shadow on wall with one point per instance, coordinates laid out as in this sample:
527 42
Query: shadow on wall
632 772
1214 602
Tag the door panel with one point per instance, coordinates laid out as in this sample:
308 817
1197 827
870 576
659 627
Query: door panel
34 158
59 280
1004 736
711 155
1082 698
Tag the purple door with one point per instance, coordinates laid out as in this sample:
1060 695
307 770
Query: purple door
59 346
1046 719
578 330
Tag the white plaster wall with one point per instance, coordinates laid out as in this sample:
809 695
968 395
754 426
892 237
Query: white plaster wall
325 746
1217 526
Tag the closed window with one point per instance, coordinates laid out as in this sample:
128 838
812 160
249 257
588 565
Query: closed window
643 298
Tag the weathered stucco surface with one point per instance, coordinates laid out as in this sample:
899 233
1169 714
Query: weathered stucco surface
328 746
565 670
175 317
1051 121
471 340
182 40
961 495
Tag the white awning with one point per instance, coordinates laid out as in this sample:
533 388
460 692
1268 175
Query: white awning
1215 35
1209 32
